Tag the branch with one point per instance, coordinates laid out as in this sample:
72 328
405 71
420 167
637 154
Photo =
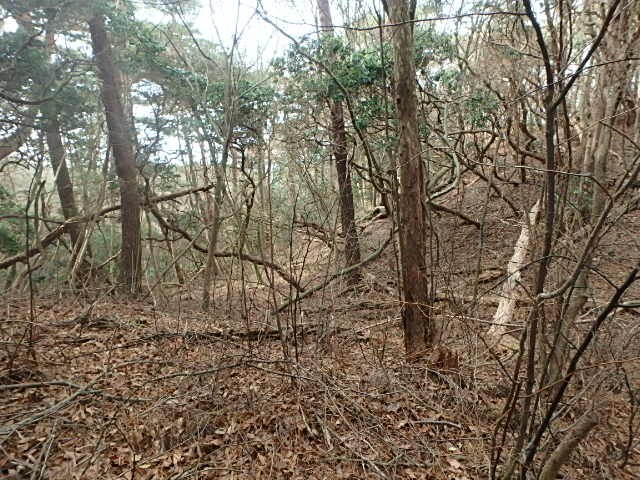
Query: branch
573 364
336 275
594 46
58 232
56 407
42 244
417 20
241 256
66 383
563 451
451 211
40 101
13 142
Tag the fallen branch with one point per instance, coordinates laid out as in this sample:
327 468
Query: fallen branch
66 383
59 231
55 408
506 308
563 451
331 278
466 219
44 242
436 422
239 255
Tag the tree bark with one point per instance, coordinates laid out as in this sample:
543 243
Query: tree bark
612 82
420 330
567 446
339 141
215 210
63 181
511 286
131 253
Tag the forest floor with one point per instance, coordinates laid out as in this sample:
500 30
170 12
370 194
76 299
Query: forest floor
155 389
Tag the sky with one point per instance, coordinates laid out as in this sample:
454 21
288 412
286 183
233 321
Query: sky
221 20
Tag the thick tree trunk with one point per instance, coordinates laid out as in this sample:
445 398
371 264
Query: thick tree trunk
339 139
420 330
130 257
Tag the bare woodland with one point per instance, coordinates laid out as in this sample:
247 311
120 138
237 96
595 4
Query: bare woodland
404 244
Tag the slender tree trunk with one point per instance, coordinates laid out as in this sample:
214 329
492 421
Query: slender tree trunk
420 330
63 181
117 124
339 138
64 184
613 81
211 268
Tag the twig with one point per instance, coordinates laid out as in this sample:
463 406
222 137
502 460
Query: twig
11 429
346 271
436 422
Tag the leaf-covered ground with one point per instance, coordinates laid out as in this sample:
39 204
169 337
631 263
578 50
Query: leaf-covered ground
151 394
99 387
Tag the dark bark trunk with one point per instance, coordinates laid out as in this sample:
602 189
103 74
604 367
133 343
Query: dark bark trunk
63 181
339 140
347 210
117 125
420 330
64 186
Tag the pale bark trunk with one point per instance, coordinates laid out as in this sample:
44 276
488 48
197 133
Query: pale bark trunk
562 454
511 286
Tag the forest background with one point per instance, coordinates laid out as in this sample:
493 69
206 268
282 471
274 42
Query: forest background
389 239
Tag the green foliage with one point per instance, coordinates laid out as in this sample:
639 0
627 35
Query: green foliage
449 78
354 69
11 230
432 46
22 58
480 106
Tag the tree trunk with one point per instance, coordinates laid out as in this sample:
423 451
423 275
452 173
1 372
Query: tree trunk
420 330
130 256
510 289
215 216
64 185
63 181
339 140
612 82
